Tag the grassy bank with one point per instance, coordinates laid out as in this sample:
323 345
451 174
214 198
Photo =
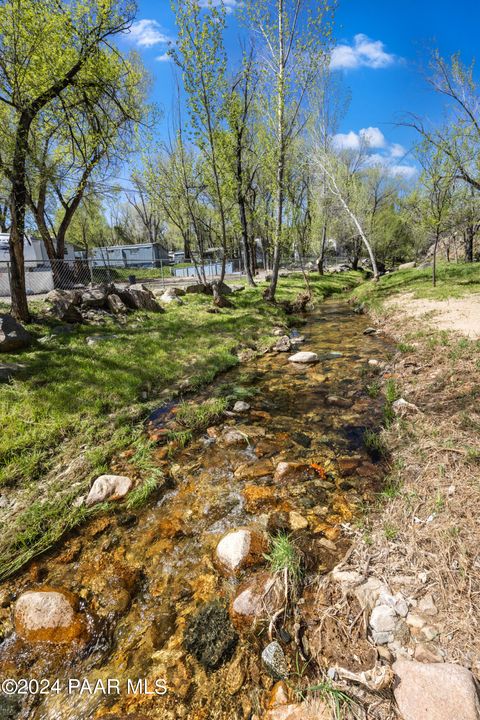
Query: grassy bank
74 405
453 280
422 538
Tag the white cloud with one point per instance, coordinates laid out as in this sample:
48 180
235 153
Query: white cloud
346 141
147 33
397 150
230 5
378 151
164 58
406 171
371 136
364 52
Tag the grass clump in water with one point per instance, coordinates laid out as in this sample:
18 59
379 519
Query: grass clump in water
198 416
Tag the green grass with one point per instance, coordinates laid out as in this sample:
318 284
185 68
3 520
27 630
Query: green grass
285 558
74 402
198 416
452 281
374 443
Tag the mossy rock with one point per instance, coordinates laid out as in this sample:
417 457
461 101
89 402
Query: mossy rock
210 637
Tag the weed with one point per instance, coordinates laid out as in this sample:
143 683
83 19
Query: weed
373 389
405 348
285 558
390 531
391 489
374 444
337 699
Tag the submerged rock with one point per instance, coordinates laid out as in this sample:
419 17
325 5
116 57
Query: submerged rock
108 487
239 549
209 636
274 661
258 598
437 691
48 615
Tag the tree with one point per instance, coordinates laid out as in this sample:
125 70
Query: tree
47 50
242 167
296 46
200 54
89 227
147 211
341 171
437 180
70 145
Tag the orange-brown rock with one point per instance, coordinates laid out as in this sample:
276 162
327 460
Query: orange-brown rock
258 496
278 695
347 465
292 471
239 549
49 615
314 710
251 471
257 599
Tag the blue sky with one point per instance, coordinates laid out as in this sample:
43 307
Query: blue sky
382 49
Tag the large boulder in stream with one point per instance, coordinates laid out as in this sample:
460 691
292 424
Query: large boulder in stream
13 336
209 636
239 549
49 615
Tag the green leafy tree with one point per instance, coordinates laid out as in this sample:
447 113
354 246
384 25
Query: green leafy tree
48 50
296 42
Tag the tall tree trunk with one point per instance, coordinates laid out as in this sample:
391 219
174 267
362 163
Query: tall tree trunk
468 238
434 266
270 294
321 259
19 307
243 218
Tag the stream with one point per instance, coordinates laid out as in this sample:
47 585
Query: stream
141 576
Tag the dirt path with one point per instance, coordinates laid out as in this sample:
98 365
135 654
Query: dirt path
459 314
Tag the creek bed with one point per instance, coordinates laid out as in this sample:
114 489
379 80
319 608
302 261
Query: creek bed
141 576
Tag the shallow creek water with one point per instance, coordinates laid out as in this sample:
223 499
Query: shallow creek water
141 576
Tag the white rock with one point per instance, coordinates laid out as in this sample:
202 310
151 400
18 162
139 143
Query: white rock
415 621
304 357
346 578
427 606
402 407
233 549
368 592
397 602
108 487
46 616
241 406
382 623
